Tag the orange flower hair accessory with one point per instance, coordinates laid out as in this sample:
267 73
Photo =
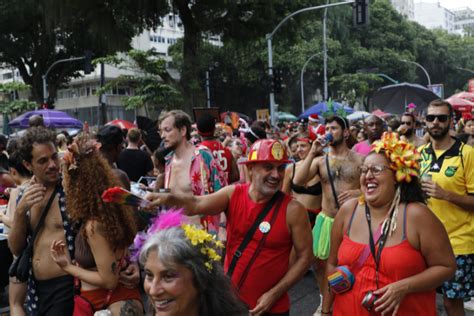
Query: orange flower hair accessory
402 155
82 146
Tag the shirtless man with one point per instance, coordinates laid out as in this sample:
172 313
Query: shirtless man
407 130
183 169
343 165
50 291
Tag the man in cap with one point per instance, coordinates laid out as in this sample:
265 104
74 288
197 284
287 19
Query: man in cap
260 271
206 127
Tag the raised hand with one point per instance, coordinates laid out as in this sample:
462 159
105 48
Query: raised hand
58 253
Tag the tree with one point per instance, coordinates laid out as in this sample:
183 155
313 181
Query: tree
10 103
153 88
35 33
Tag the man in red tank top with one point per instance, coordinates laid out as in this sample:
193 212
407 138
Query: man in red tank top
261 275
206 126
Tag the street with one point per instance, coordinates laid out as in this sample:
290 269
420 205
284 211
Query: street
305 298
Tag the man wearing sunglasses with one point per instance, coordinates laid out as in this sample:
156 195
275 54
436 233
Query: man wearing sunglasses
447 173
407 130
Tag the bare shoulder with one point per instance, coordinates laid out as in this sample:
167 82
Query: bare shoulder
228 190
345 212
357 158
419 213
295 211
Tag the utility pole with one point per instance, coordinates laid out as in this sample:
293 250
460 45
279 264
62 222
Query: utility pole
325 53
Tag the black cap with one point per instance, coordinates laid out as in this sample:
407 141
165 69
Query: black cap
110 135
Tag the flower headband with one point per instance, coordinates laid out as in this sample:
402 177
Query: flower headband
402 155
82 146
200 238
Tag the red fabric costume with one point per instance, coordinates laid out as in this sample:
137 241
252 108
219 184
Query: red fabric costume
272 262
221 154
396 262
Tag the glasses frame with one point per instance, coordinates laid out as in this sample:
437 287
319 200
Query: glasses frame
375 173
443 118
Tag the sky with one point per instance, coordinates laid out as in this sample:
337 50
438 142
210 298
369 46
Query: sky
451 4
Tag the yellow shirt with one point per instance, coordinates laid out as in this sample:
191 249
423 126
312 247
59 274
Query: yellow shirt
455 173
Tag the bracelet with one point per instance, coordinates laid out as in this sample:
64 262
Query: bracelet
326 313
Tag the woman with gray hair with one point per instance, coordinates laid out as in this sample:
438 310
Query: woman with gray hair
183 274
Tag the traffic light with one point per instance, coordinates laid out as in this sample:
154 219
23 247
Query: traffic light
87 62
277 80
360 13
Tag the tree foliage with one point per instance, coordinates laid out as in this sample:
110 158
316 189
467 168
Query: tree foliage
153 87
10 103
36 33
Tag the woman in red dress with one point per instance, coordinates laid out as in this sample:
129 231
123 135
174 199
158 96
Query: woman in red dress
396 248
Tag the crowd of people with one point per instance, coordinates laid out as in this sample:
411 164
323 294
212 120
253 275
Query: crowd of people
230 219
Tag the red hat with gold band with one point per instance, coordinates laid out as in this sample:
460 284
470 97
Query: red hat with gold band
267 150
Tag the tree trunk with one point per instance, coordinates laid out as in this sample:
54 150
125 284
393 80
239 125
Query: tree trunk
191 45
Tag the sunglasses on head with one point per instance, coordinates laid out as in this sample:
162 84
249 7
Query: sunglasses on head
442 118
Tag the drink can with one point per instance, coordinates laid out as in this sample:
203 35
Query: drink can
426 177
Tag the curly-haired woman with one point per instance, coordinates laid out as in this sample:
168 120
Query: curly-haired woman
104 234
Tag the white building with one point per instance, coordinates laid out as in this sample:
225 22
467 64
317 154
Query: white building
405 8
434 16
464 20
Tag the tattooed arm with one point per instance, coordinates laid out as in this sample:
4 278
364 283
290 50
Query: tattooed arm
106 275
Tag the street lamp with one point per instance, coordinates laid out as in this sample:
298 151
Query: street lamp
465 69
422 68
301 79
270 53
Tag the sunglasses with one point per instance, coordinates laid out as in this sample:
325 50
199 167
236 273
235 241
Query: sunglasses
376 170
406 123
441 118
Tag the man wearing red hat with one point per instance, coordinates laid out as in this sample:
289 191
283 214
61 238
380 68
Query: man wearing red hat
314 126
263 224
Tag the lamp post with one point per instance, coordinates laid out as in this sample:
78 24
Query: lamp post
269 45
422 68
301 79
465 69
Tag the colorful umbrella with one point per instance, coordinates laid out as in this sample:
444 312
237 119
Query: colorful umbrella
51 118
285 116
358 115
380 113
322 107
461 105
122 124
464 95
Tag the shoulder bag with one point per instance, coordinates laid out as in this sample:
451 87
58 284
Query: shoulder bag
20 268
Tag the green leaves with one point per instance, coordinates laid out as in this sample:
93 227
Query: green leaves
150 81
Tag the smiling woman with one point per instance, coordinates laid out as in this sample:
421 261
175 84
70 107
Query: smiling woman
183 275
394 247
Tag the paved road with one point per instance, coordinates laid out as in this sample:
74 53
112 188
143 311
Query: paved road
305 298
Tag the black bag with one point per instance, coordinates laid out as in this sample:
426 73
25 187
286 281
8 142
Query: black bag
20 267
